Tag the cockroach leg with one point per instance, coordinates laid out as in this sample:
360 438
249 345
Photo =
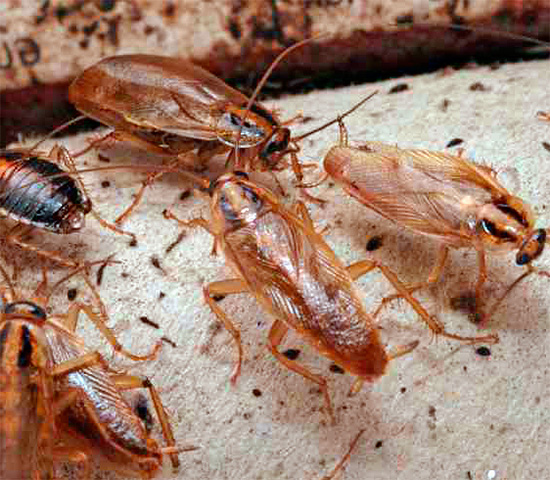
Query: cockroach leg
433 277
71 320
194 223
276 335
18 231
480 282
345 458
132 382
227 287
84 361
112 136
63 156
434 324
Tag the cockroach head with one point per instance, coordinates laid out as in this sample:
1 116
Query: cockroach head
24 309
236 200
531 247
275 147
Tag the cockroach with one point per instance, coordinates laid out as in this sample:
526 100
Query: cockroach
286 265
454 200
37 193
172 107
76 395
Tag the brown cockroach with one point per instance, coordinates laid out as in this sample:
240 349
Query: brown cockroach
37 193
447 197
173 107
76 403
286 265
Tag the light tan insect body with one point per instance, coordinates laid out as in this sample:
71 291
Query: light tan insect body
291 271
61 401
457 202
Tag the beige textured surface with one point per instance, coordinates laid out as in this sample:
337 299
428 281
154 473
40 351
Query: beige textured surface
441 411
52 41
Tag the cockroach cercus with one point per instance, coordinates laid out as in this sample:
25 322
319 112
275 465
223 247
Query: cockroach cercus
286 265
453 200
87 412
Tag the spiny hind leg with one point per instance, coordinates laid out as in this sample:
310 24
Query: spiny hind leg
433 323
70 320
132 382
276 336
340 465
14 236
222 288
433 277
63 156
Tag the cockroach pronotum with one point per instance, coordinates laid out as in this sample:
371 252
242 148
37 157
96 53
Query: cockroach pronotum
452 199
37 193
292 272
77 407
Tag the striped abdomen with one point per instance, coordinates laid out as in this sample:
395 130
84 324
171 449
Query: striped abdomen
37 192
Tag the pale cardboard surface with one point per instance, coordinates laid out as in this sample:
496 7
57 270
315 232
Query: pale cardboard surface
459 413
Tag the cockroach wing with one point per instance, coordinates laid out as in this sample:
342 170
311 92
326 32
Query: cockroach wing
298 279
154 92
101 402
434 193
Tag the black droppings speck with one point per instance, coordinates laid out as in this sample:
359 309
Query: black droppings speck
124 274
100 271
162 295
103 158
218 298
148 30
378 444
469 475
546 146
483 351
291 353
156 262
185 195
147 321
84 43
133 242
374 243
454 142
247 415
445 104
403 389
256 392
105 184
478 87
169 341
431 411
71 294
169 9
400 87
465 368
336 369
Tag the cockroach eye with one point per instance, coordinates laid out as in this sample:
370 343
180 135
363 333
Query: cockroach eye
531 248
27 309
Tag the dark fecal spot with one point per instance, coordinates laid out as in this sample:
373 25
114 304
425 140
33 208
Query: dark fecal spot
105 184
403 389
378 444
185 195
454 142
256 392
218 298
546 146
291 353
374 243
24 357
478 87
483 351
400 87
146 320
336 369
71 294
431 411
